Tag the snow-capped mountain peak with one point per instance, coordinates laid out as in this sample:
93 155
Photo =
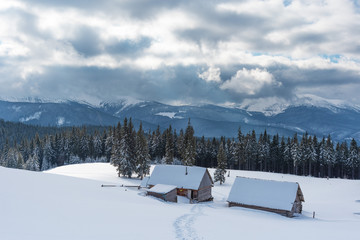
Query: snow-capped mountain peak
273 105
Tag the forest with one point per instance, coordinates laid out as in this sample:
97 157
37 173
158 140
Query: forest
41 148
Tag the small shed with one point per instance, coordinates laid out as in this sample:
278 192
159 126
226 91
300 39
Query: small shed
284 198
162 191
194 183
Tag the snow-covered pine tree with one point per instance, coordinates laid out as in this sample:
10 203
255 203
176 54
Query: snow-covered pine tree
48 155
282 155
180 147
231 153
109 143
157 144
201 153
142 154
353 157
240 150
127 150
97 143
14 159
32 163
169 147
219 175
287 156
274 154
3 156
189 153
344 157
84 145
115 157
329 156
322 157
295 153
251 150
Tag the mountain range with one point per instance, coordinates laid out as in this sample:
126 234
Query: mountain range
311 114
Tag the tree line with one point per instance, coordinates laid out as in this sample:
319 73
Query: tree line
132 151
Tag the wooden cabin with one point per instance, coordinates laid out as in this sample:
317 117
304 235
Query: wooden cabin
164 192
194 183
284 198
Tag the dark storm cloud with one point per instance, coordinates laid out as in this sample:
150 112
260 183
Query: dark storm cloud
129 47
167 84
87 41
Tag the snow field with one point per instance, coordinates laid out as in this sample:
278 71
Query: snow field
69 203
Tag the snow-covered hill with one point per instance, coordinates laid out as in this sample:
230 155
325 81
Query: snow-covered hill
69 203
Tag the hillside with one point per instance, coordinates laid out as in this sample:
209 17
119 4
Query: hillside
68 203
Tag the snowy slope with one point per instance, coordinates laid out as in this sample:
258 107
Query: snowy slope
68 203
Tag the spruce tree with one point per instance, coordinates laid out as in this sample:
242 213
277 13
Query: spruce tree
48 155
14 159
169 147
142 154
115 158
189 153
32 163
127 150
219 175
353 157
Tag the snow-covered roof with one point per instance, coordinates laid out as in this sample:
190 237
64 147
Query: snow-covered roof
144 182
162 188
176 175
264 193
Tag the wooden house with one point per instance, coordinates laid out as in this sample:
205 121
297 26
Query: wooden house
165 192
194 183
280 197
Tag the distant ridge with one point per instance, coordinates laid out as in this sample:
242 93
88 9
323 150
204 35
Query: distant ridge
317 116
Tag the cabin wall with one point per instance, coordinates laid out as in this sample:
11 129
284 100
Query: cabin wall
182 192
206 181
169 197
282 212
297 208
204 194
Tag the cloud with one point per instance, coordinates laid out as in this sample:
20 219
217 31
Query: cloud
173 51
211 75
249 82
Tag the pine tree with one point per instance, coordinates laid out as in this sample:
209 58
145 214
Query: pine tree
295 153
115 158
231 153
109 143
219 175
329 156
14 159
127 150
97 144
201 153
32 163
189 153
142 154
287 155
48 155
353 157
169 147
240 150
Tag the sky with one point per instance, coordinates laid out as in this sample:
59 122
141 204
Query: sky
180 52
